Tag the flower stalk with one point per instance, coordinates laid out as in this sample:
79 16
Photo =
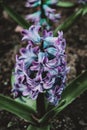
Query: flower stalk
40 105
42 10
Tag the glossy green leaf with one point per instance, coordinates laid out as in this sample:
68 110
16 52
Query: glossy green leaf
65 4
17 108
15 16
38 128
84 10
69 21
27 101
72 91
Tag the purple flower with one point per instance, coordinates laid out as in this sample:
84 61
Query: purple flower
40 16
35 17
54 95
32 34
41 66
82 1
50 13
32 3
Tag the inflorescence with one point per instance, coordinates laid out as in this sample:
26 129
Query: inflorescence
41 67
45 11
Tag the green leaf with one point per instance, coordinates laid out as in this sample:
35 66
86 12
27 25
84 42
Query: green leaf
38 128
65 4
15 16
72 91
27 101
84 10
69 21
17 108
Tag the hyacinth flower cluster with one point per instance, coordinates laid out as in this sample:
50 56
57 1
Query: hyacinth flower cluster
41 67
83 1
45 11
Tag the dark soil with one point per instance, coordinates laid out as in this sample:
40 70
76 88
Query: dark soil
74 117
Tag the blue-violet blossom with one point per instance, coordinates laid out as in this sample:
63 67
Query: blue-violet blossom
82 1
41 66
45 11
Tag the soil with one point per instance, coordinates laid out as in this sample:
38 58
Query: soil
74 117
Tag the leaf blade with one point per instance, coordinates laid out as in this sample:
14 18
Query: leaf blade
81 81
15 16
71 93
65 4
38 128
17 108
68 22
84 10
27 101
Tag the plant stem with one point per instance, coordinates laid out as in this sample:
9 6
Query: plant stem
40 105
42 10
40 99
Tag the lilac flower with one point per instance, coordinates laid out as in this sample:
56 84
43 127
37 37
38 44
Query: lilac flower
41 66
82 1
45 12
54 95
32 3
32 34
50 13
35 17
